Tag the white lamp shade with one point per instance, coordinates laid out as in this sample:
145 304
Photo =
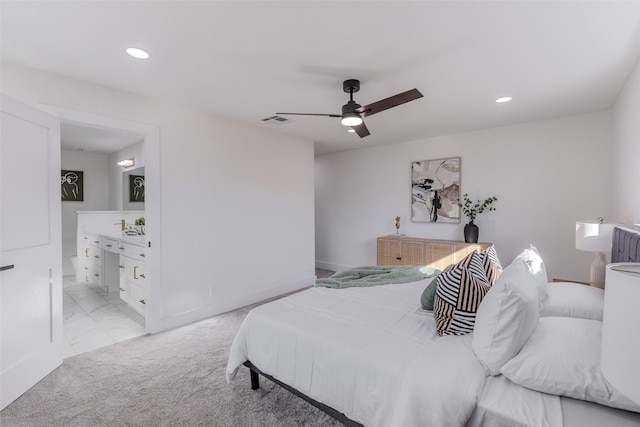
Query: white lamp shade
620 343
594 236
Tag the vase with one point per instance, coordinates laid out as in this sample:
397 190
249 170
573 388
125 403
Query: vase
471 233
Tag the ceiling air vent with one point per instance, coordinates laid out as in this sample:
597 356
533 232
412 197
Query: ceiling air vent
276 120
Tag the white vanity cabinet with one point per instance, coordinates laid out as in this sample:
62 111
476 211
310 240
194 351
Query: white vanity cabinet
133 275
111 258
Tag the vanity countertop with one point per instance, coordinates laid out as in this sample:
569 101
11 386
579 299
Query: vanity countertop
119 235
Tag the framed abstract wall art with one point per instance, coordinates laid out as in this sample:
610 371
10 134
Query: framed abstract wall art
136 188
72 185
435 190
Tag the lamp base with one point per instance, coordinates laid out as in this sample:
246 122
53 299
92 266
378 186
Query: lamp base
598 266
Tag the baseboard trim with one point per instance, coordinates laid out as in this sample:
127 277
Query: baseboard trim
332 266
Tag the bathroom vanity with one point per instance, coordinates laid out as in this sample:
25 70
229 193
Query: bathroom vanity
113 256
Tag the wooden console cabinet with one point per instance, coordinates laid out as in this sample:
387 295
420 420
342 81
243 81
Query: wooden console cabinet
430 252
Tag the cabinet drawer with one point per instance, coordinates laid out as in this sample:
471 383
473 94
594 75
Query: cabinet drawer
95 275
110 245
133 270
137 299
132 251
93 255
93 239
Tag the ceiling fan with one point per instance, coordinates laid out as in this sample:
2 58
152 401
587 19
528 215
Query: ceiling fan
353 113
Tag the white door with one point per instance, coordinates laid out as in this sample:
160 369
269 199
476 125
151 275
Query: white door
30 248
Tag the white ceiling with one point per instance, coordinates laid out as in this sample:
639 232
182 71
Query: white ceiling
250 59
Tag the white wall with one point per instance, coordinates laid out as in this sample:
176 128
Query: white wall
96 196
626 151
236 200
546 175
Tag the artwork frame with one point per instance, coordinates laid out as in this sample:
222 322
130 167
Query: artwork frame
136 188
435 190
72 185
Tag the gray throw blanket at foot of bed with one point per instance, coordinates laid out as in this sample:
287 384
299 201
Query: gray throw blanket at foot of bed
376 275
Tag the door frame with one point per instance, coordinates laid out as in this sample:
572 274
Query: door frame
151 134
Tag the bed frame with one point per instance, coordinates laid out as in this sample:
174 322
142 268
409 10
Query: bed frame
625 248
338 416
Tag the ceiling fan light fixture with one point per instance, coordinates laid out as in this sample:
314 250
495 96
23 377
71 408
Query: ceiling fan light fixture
351 119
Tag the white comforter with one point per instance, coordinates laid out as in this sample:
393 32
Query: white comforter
370 353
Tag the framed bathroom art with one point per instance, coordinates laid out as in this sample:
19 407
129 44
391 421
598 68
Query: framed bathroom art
435 190
72 185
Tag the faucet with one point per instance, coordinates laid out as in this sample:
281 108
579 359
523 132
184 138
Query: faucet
122 224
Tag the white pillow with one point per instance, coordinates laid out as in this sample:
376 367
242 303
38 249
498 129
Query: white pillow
532 259
562 357
567 299
506 317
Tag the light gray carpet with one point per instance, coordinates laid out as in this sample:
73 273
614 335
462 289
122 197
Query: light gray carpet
176 378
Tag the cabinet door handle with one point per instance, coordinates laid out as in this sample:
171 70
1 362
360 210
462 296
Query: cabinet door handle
398 258
96 241
142 255
7 267
121 266
142 301
135 271
96 256
86 252
122 289
143 276
97 275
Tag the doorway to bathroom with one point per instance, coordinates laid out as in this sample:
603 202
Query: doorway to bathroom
95 312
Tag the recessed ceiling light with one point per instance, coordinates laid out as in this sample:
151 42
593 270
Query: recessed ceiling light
503 99
138 53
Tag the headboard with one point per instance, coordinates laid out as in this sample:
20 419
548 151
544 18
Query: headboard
626 245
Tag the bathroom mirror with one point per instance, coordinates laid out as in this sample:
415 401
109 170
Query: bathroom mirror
133 186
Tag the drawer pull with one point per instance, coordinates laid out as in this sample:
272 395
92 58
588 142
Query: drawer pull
7 267
86 268
135 272
86 252
142 255
121 266
96 256
96 241
142 301
398 258
143 276
109 246
122 289
121 248
96 274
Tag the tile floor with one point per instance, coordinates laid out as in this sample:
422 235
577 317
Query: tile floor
94 318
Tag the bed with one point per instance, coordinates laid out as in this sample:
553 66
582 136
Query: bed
372 355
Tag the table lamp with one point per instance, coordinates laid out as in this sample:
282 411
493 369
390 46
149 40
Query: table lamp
595 236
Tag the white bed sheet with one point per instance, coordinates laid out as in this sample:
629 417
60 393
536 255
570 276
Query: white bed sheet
370 353
506 404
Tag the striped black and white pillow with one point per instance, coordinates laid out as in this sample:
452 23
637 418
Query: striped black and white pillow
458 296
491 264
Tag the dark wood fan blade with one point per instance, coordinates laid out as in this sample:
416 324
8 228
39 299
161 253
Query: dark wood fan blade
392 101
361 130
311 114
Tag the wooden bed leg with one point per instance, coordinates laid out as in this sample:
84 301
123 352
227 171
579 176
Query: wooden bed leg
255 380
